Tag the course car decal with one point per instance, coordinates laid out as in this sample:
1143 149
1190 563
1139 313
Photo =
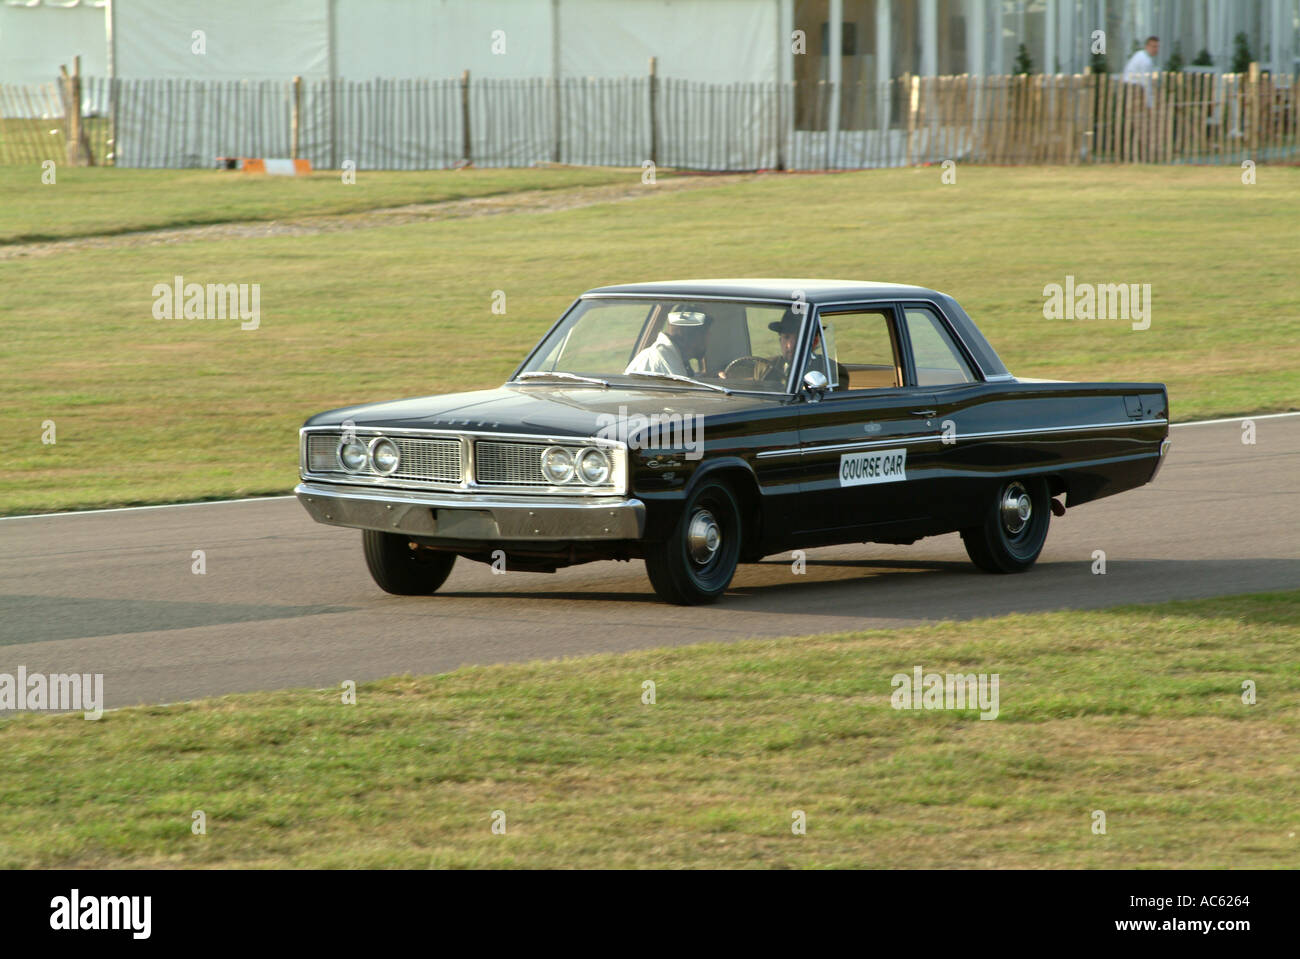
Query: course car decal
873 466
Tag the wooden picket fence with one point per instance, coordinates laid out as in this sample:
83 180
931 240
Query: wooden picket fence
36 124
806 125
1186 118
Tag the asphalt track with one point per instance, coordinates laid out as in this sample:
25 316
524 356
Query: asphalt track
285 602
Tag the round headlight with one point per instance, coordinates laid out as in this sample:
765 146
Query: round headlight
593 466
384 456
352 455
557 465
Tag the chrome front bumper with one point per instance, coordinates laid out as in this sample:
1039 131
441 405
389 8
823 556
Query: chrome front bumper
467 516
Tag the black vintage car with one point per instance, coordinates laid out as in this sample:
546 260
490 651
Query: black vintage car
700 424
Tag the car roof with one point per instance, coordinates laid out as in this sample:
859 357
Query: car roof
814 291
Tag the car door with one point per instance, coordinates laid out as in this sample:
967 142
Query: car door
943 366
864 440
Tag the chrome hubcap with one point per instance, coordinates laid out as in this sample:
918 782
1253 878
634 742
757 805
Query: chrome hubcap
703 537
1016 508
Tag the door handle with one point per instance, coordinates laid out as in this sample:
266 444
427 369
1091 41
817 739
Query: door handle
926 413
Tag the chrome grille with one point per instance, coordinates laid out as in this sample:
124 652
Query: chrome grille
434 460
322 455
509 464
429 459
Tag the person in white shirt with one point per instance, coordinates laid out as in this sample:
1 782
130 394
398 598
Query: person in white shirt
1140 66
1138 75
682 339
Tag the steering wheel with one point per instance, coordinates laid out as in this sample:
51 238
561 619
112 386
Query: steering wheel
747 368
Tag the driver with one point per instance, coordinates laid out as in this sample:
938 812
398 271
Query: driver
787 331
682 339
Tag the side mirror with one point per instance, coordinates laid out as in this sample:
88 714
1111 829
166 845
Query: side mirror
815 380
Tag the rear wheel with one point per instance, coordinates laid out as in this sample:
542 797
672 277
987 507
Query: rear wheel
1014 528
695 563
398 568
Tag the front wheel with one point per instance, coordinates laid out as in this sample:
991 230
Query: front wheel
695 563
1014 528
402 570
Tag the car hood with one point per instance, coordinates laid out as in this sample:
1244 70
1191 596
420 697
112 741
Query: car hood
544 409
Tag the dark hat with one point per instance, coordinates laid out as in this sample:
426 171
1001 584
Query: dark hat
789 323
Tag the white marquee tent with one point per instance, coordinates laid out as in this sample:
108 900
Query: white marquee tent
713 40
35 37
717 41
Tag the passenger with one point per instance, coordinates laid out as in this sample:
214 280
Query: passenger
683 338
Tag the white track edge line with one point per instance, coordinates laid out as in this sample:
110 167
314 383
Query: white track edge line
263 499
128 509
1237 419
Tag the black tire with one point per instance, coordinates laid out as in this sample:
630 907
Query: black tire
692 566
1009 541
398 569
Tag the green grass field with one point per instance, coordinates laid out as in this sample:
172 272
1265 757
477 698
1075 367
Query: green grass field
1135 711
153 410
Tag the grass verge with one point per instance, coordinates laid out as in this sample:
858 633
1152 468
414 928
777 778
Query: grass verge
102 201
1135 711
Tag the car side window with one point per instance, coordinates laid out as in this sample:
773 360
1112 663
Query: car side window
938 361
860 344
763 339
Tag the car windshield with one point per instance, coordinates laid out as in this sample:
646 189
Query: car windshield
731 344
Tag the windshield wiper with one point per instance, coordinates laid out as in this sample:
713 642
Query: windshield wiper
560 375
681 379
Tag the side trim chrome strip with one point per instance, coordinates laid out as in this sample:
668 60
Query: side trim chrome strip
938 438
